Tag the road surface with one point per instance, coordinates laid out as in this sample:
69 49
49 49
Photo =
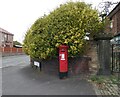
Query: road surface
18 78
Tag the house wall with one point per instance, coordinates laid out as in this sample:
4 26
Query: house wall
6 39
0 39
118 21
114 17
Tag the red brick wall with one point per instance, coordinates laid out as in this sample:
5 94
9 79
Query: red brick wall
118 21
115 19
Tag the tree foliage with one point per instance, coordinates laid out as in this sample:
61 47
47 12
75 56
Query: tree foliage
16 43
67 24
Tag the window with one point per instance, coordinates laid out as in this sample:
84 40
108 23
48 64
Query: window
5 37
111 24
2 38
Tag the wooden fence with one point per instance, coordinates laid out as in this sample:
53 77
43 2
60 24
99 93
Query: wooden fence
7 51
11 50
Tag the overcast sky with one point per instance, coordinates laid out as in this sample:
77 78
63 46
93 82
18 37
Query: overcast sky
16 16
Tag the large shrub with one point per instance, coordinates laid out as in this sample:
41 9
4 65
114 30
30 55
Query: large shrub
67 24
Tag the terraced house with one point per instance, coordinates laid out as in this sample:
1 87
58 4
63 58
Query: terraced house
6 38
114 26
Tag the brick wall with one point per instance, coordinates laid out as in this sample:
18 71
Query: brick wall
114 17
118 21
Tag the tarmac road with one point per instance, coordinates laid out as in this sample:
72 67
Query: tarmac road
18 78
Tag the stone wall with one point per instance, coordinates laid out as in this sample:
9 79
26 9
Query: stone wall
93 54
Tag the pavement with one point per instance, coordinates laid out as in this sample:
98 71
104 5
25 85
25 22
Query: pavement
19 78
17 60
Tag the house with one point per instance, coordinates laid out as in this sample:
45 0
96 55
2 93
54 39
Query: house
114 25
6 38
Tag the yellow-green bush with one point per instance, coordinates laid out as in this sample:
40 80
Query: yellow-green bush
67 24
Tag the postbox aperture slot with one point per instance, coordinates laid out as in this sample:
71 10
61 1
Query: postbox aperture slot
63 50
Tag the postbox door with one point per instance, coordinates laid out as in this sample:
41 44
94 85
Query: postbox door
63 62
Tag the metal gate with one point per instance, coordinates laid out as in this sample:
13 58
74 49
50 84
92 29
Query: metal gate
115 67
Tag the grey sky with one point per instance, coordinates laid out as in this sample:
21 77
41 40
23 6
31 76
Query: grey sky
18 15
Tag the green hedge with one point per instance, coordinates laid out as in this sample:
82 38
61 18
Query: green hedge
68 24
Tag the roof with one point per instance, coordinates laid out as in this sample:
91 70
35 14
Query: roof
18 46
5 31
114 11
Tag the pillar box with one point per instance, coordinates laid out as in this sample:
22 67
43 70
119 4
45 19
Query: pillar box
63 61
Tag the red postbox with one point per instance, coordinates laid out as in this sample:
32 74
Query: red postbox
63 61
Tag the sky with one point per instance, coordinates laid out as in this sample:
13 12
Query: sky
17 16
